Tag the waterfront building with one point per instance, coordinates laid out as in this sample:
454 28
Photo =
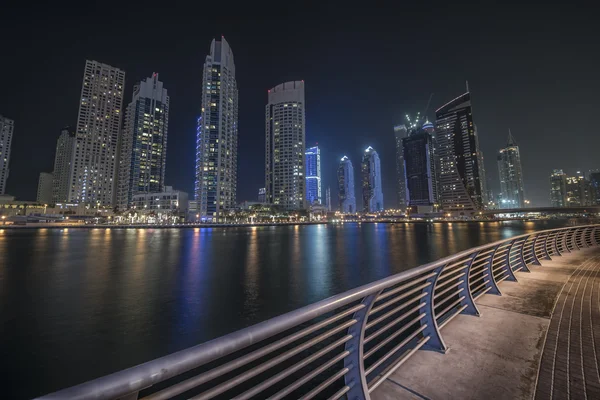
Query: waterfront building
44 190
558 188
595 186
313 175
371 181
579 191
346 195
7 127
420 169
284 146
328 198
143 151
63 160
461 165
173 202
217 134
400 132
262 195
511 175
93 170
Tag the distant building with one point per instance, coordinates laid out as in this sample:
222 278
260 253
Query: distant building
346 197
93 170
461 187
143 150
284 146
511 175
44 190
579 191
328 198
217 134
595 185
400 132
63 159
371 181
7 127
558 188
313 175
262 195
174 202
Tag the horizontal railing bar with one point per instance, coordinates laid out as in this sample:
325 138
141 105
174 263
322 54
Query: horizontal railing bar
449 280
503 278
395 349
480 286
450 318
398 298
399 363
456 264
400 288
454 304
499 266
480 278
284 392
394 311
483 253
483 261
195 381
393 335
325 384
392 323
449 298
487 289
518 269
340 393
437 295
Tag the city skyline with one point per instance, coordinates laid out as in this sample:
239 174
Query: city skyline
340 130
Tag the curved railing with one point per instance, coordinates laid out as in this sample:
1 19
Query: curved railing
346 345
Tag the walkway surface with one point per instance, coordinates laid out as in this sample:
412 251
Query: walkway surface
537 340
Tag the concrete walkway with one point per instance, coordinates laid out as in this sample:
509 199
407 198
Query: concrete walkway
497 355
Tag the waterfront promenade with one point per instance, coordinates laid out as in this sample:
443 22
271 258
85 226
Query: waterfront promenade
540 339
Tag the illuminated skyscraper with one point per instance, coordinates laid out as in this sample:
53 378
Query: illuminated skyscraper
217 134
400 132
7 127
63 158
94 167
371 181
143 152
511 176
313 175
558 188
284 146
461 188
346 186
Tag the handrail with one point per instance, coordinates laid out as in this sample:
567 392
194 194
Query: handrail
326 357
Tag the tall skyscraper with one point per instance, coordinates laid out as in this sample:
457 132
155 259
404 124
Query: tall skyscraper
461 188
558 188
7 127
328 198
63 160
217 134
420 168
595 184
579 191
143 151
371 181
93 170
284 147
511 175
313 175
44 191
400 132
346 186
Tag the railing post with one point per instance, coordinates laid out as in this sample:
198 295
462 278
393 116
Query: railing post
522 256
583 236
511 273
468 300
488 268
355 378
535 260
594 239
546 247
555 243
564 240
574 239
432 330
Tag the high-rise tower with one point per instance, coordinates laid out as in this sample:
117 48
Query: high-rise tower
284 146
511 175
217 134
346 186
93 170
63 160
400 132
143 151
313 175
7 127
558 188
371 181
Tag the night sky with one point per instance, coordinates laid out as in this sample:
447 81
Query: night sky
533 69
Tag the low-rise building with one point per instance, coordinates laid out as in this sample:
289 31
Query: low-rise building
170 202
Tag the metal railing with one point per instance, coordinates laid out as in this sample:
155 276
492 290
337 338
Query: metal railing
346 345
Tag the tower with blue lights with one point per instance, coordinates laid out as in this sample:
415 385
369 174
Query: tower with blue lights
371 181
313 175
346 186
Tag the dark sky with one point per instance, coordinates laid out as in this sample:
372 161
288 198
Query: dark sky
533 69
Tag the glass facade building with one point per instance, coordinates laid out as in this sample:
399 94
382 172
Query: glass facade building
346 194
420 169
7 127
63 159
558 188
313 175
371 181
511 176
400 132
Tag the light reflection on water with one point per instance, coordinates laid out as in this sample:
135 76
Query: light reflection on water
76 304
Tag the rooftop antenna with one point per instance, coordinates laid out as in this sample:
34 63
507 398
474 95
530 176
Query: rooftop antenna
467 83
427 106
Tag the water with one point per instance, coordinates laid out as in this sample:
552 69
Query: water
77 304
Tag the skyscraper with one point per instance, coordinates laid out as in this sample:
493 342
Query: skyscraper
284 146
345 175
595 185
7 127
93 170
143 151
44 191
420 168
579 191
371 181
313 175
461 189
558 188
511 175
400 132
217 134
63 159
